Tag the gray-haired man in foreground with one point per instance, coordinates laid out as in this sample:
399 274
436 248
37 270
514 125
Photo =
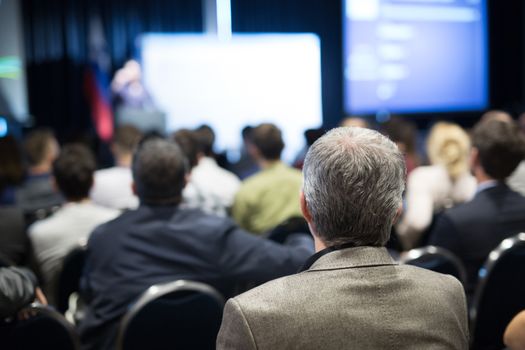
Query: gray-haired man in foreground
351 294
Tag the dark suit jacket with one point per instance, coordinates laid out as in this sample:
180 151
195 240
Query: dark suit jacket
15 247
153 245
472 230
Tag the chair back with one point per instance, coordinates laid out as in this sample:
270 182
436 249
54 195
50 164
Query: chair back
175 315
436 259
295 224
69 278
500 293
44 329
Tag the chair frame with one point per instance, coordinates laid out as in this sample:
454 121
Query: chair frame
56 316
485 271
431 250
159 290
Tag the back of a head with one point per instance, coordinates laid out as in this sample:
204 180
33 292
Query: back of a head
206 138
73 171
159 170
401 131
188 143
40 146
500 145
353 184
268 140
126 139
496 115
449 145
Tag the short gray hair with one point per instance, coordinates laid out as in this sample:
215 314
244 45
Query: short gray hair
354 180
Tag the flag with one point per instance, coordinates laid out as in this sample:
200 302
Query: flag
96 81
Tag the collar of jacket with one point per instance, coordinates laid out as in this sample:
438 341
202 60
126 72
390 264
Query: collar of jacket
344 257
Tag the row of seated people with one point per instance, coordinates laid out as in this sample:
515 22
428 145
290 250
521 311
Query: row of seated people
465 200
73 174
116 248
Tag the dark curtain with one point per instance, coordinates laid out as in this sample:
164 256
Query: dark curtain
56 45
507 55
322 17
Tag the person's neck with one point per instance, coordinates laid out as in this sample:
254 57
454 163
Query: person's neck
482 177
266 163
40 169
79 201
318 244
124 160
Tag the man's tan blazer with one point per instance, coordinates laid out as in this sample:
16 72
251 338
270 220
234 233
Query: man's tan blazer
354 298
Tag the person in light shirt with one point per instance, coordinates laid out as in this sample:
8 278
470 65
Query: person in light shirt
112 187
69 227
210 187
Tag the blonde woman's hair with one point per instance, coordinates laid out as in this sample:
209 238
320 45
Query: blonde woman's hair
449 145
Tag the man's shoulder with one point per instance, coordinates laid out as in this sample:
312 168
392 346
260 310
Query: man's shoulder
279 291
469 210
302 287
430 279
195 218
50 223
115 222
202 220
485 205
268 177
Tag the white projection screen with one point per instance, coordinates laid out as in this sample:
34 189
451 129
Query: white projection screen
250 79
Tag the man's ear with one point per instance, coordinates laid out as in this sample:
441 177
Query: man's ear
398 213
253 151
304 208
474 158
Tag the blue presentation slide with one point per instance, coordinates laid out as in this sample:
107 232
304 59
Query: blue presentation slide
411 56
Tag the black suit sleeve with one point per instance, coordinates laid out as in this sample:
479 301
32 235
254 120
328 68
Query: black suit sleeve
17 289
445 235
249 258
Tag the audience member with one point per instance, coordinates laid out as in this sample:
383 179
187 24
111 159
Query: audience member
37 192
351 294
210 187
161 241
474 229
15 248
444 184
69 227
514 337
192 195
112 187
246 166
310 136
271 196
516 181
18 288
404 134
189 145
11 169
